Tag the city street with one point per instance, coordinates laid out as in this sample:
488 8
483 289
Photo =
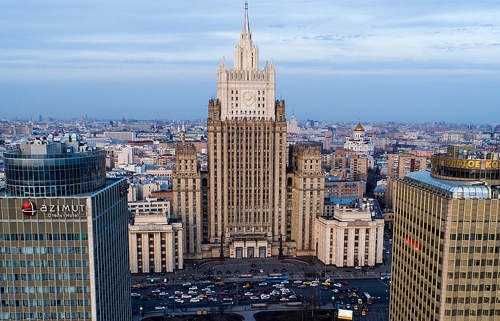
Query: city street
364 280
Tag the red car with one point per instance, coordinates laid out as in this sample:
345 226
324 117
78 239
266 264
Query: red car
344 282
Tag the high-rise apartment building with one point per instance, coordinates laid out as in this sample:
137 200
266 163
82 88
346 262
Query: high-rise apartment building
241 207
63 235
445 263
398 165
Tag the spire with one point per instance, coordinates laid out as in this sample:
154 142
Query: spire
246 23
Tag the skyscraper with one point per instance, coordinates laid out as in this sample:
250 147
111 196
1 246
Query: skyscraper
446 246
239 206
63 235
247 153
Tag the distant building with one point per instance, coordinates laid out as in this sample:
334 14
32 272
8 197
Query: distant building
359 142
125 136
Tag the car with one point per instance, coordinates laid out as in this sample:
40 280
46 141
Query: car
194 300
263 283
261 271
314 284
253 297
193 288
192 293
135 295
302 286
335 291
212 299
307 282
348 306
387 252
187 284
363 313
160 308
297 282
156 291
284 299
355 307
179 300
338 285
358 267
326 283
344 282
227 299
186 296
285 282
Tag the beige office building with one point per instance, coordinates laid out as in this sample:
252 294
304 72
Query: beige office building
353 236
445 263
155 245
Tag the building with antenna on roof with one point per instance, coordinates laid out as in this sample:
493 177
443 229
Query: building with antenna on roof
241 201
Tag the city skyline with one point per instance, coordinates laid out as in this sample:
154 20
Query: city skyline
395 61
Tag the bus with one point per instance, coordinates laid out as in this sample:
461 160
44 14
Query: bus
368 298
276 278
258 306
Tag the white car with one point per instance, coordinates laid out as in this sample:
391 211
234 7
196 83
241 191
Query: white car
194 300
338 285
357 268
193 288
253 297
159 308
135 295
179 300
263 283
186 296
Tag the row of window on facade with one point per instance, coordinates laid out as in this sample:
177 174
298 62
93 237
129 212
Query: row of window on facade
45 315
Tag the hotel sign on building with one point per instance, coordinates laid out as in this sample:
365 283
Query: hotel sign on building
53 208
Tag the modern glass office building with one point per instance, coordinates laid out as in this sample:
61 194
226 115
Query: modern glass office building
446 248
63 245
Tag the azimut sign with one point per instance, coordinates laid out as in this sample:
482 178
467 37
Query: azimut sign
69 211
30 208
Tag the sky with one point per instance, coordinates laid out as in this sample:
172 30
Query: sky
368 61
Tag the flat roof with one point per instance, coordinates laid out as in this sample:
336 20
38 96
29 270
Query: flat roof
455 188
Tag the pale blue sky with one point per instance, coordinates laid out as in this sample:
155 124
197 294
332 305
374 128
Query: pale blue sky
392 60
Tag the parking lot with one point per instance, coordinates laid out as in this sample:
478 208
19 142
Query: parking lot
234 277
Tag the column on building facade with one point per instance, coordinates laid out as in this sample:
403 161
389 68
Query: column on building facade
157 251
180 249
340 247
170 251
380 244
372 243
132 245
361 246
350 246
145 252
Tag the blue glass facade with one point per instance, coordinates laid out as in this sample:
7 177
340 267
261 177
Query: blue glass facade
54 175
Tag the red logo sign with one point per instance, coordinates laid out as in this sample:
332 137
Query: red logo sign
29 208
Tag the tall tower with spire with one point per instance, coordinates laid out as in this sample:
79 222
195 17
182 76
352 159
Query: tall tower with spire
246 157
